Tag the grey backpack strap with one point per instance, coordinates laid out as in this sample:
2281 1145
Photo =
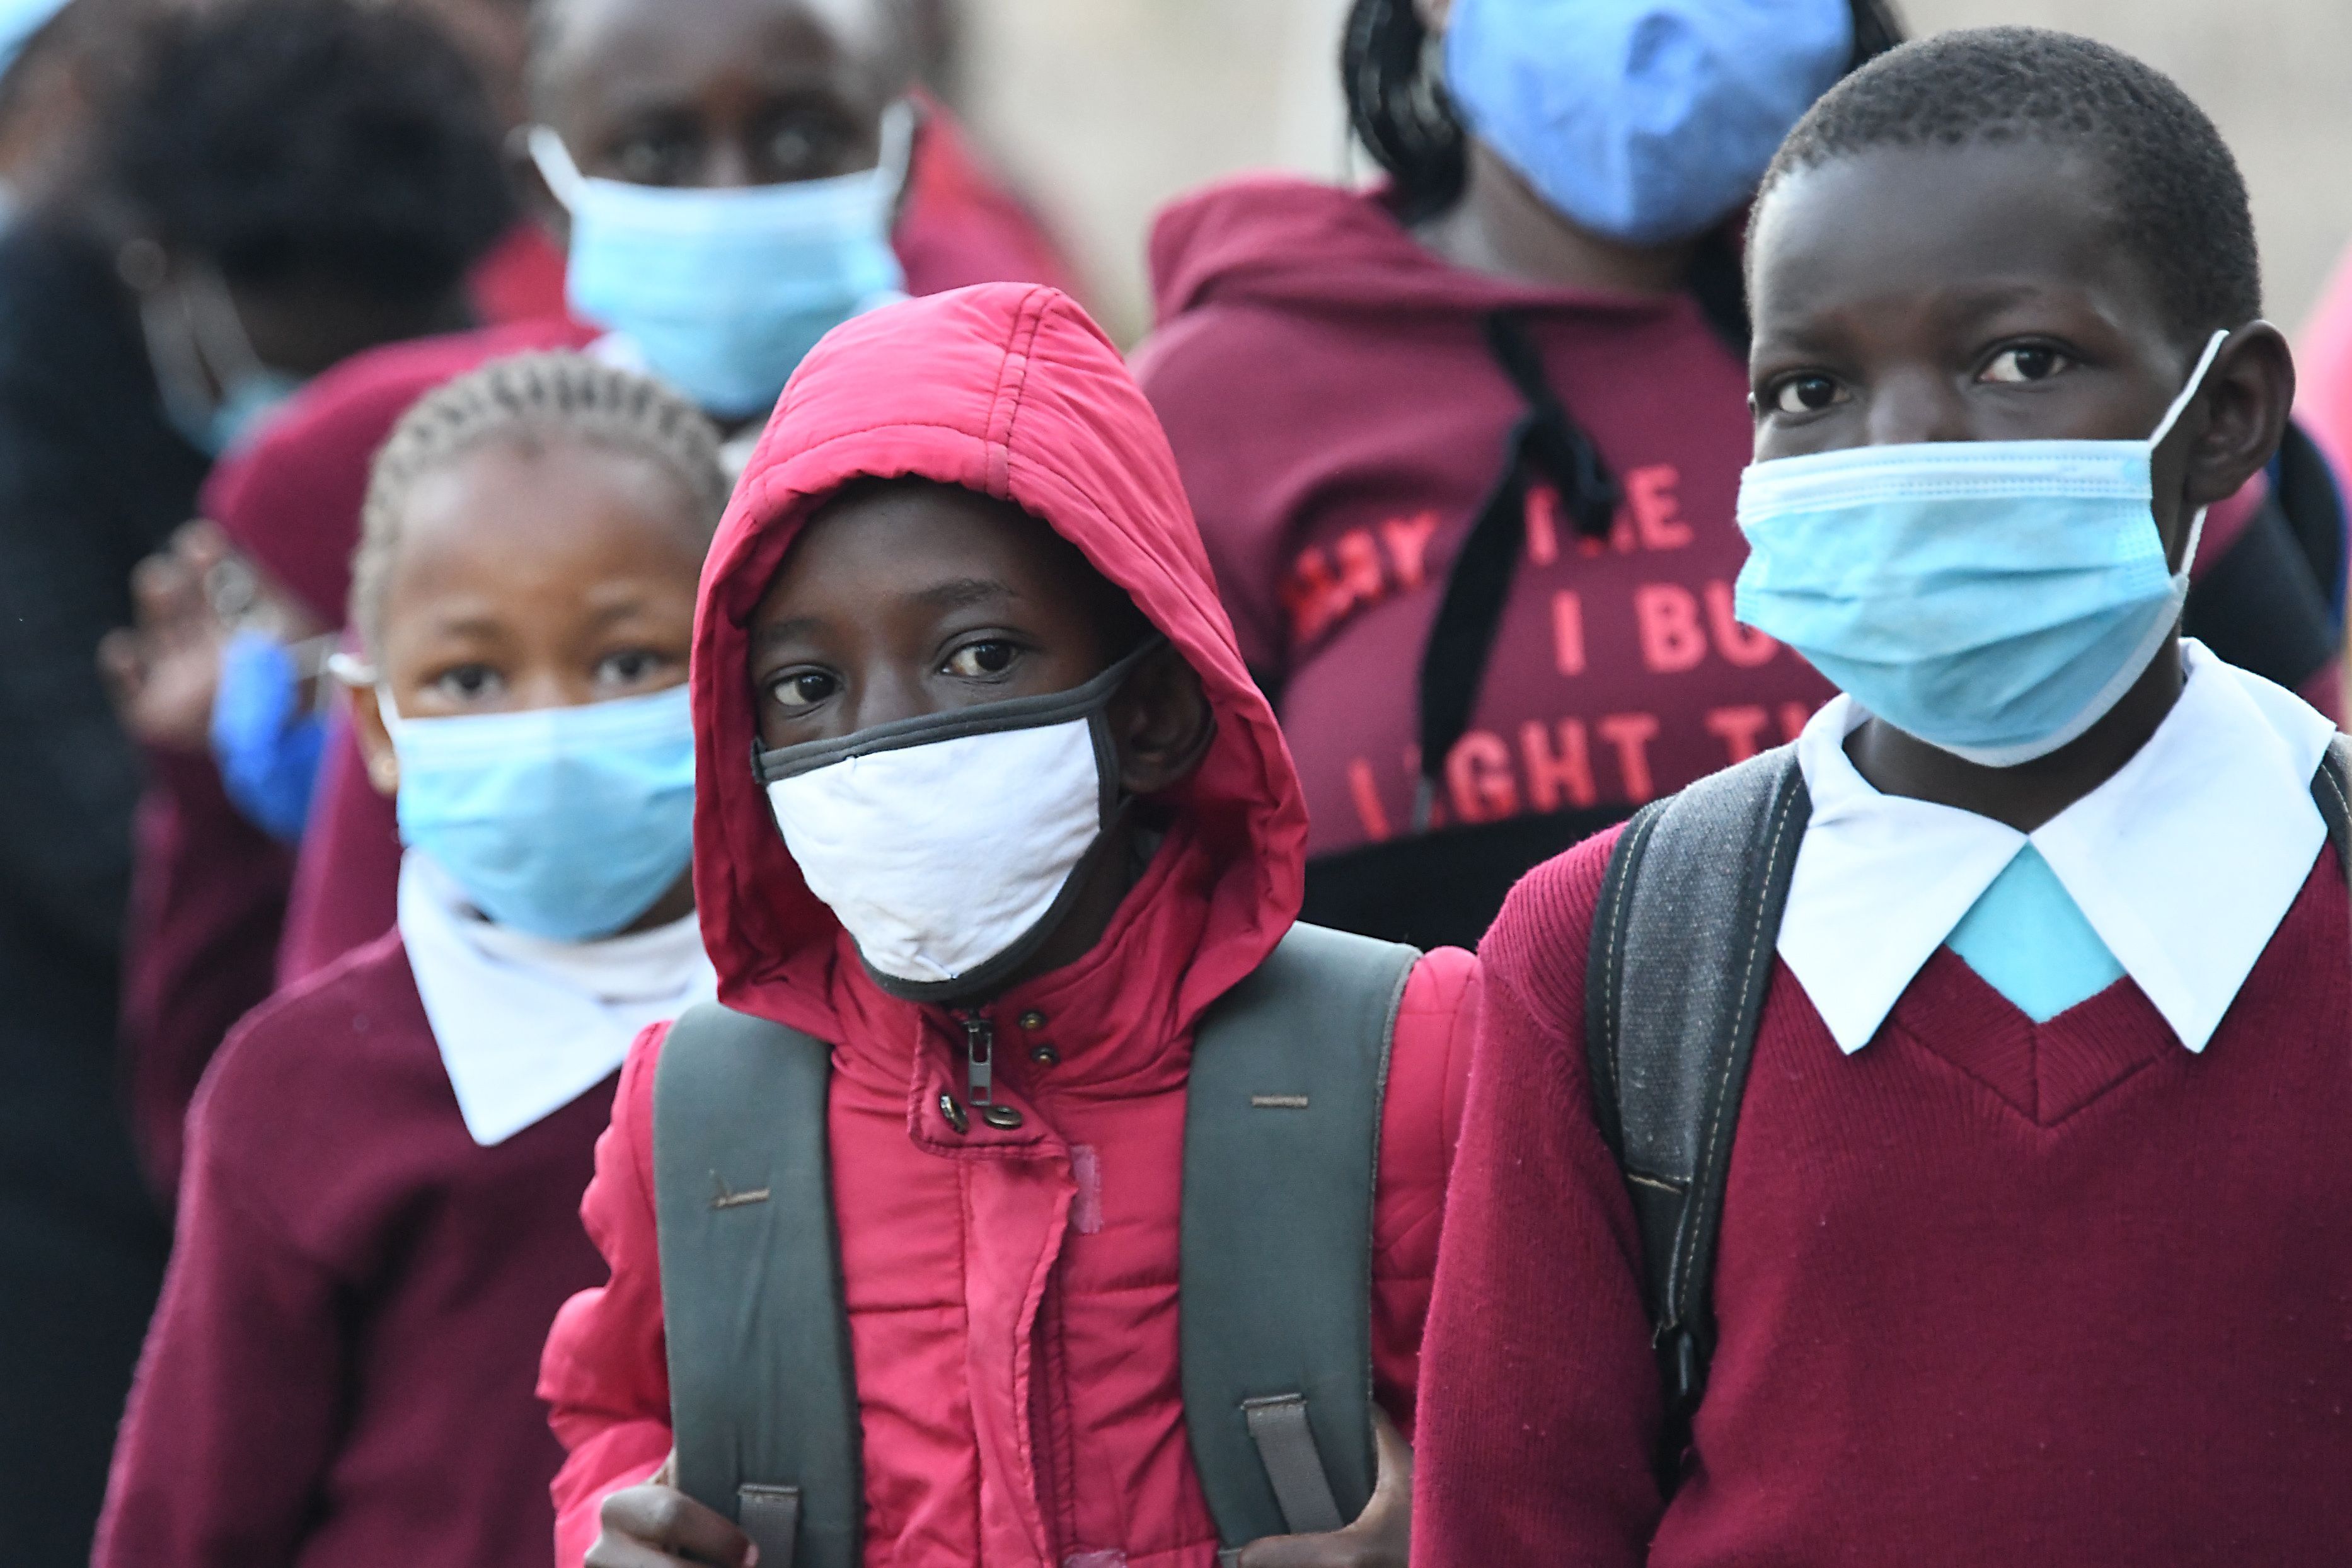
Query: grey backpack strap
2331 786
1682 943
1282 1131
764 1398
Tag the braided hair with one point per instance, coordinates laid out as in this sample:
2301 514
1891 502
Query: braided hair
530 400
1395 83
1398 108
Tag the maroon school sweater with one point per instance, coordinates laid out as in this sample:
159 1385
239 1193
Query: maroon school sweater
340 1372
1989 1292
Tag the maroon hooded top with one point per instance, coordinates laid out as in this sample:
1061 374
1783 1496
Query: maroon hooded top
1327 384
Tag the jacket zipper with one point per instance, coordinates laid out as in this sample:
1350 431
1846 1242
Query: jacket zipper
980 1060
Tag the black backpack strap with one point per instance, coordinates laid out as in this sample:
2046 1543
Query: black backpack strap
1478 584
763 1396
1683 945
1282 1129
2331 786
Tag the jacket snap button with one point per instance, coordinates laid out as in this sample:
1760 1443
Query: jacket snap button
1045 1056
1032 1020
1002 1116
954 1114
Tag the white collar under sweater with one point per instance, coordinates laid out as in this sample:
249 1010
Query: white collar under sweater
2184 862
527 1026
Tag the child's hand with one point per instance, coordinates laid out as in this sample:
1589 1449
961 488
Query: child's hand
657 1526
1381 1534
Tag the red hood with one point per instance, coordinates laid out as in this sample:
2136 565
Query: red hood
1010 390
1271 240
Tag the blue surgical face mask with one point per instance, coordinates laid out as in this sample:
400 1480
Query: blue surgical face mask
566 823
723 291
265 739
1643 121
1993 598
215 389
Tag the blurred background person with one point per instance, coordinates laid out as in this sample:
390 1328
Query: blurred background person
1465 446
217 674
277 186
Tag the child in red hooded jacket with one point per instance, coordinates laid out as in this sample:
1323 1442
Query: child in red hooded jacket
964 500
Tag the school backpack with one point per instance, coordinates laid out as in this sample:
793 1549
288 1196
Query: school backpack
1282 1129
1684 939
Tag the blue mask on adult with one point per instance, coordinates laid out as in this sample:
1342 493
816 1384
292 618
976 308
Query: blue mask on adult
1643 121
265 739
215 389
566 823
724 291
1993 598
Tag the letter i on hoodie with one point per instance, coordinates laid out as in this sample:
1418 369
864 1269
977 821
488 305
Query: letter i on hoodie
1011 1290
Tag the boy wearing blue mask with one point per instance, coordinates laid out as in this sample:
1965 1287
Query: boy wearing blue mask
1924 1142
377 1223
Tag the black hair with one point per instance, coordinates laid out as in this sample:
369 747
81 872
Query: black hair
2176 198
322 138
1398 108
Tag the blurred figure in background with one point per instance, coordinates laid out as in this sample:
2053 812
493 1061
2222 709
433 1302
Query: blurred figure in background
252 221
744 175
234 617
2323 398
1465 446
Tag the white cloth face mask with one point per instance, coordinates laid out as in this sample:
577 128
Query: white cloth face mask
949 845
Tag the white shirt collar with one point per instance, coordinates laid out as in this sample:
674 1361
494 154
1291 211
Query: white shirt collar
526 1025
2184 862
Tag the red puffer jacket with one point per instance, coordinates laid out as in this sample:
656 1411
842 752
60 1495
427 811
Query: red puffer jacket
1012 1294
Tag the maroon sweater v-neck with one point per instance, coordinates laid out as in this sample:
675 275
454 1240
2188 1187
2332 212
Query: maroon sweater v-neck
342 1370
1988 1291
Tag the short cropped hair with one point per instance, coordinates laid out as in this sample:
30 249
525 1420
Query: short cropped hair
530 400
323 138
2178 202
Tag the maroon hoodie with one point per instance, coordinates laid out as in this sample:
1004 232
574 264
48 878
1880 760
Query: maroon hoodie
1340 421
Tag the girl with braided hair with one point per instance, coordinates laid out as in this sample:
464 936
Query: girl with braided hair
1463 446
378 1220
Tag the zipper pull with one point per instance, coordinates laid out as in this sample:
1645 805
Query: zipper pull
979 1053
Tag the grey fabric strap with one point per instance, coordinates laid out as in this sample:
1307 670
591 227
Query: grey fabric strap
1281 1157
763 1400
1286 1445
1683 946
770 1516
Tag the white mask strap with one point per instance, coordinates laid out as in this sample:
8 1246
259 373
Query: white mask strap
2196 381
555 166
564 179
